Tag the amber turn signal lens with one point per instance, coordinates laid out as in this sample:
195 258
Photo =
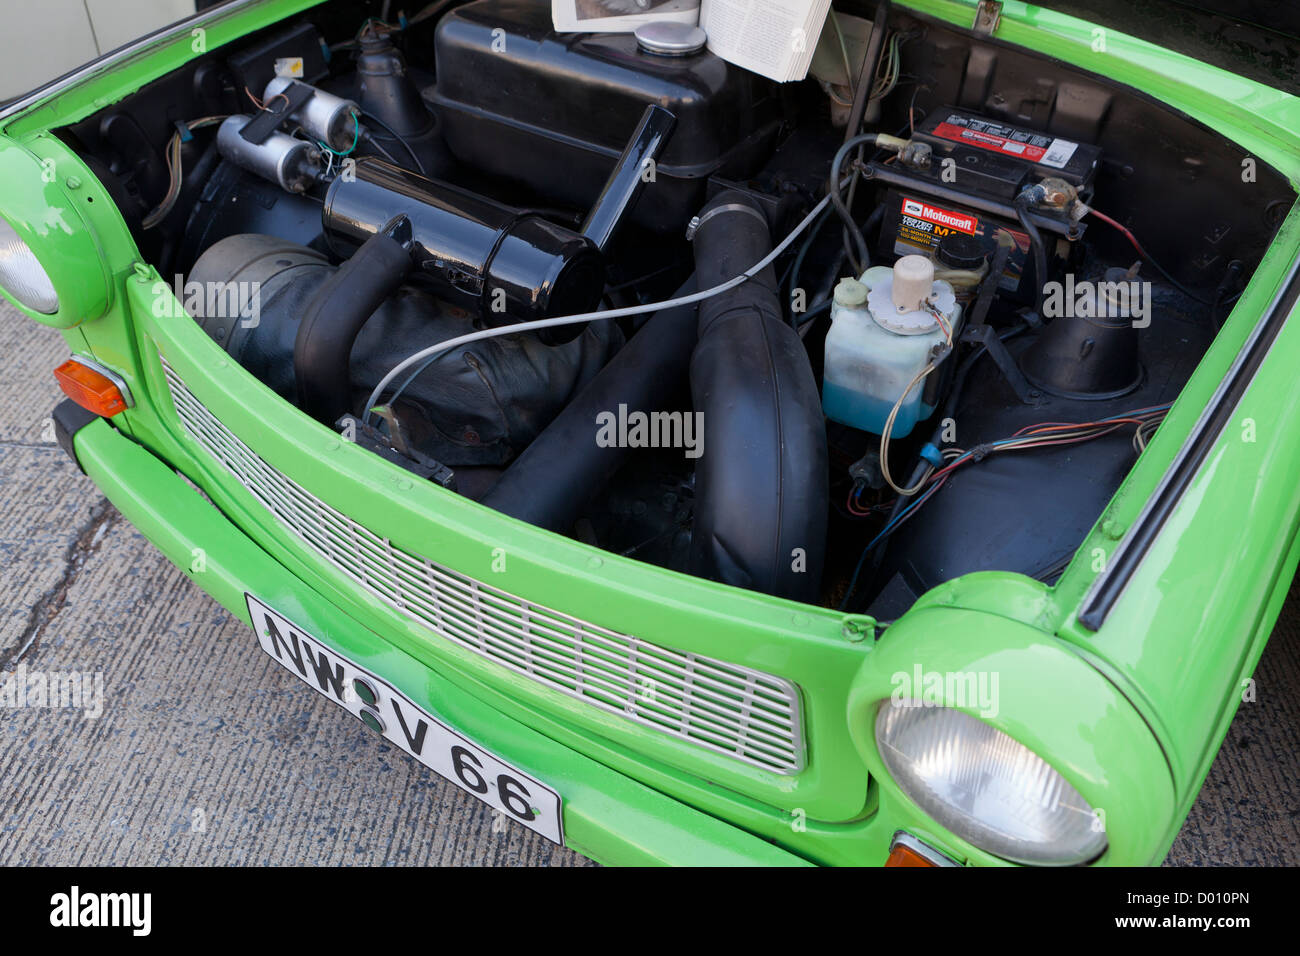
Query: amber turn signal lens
903 855
94 391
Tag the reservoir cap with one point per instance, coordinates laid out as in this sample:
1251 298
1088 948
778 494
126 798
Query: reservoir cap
960 251
913 282
668 38
850 293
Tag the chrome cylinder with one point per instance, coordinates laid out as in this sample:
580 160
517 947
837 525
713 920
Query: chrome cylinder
293 163
326 117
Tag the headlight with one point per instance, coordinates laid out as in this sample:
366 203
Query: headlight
985 787
22 276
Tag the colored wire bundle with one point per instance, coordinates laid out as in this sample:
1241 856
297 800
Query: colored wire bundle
1041 435
1143 435
889 429
893 412
848 69
356 136
891 63
1046 434
175 172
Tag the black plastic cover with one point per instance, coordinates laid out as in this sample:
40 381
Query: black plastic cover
554 111
477 404
70 418
254 66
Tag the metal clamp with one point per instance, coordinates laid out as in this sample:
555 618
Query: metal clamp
696 222
988 14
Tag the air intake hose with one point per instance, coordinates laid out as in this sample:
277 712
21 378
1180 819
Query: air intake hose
762 481
557 474
336 313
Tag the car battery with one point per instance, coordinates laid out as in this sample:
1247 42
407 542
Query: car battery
989 163
997 159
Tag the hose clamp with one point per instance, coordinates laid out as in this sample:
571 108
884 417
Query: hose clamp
696 222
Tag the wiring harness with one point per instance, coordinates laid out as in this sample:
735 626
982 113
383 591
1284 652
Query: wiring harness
175 172
948 460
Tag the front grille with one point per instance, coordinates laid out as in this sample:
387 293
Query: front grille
746 714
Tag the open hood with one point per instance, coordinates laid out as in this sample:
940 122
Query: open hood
1259 39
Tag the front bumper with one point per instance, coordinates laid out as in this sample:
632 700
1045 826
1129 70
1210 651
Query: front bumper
607 815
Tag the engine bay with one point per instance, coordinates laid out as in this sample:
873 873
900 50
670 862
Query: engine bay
837 341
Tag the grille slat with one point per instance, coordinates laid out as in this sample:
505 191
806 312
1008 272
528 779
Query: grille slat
746 714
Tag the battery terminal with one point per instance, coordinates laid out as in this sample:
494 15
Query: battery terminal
916 155
1054 193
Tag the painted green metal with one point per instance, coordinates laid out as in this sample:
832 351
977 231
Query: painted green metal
607 815
1131 714
1047 697
47 214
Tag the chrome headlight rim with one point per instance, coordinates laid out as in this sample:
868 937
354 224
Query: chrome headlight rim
967 825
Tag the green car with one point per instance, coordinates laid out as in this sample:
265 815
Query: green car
706 447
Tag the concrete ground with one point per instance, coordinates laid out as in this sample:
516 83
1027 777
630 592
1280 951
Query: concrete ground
207 752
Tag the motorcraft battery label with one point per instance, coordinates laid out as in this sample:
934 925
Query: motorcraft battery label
923 224
924 217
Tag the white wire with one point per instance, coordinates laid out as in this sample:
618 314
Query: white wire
889 427
591 316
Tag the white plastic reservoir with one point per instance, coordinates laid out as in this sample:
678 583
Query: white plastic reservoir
884 330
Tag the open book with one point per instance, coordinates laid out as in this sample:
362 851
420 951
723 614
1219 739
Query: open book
774 38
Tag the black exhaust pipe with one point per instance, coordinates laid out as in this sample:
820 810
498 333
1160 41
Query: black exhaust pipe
762 485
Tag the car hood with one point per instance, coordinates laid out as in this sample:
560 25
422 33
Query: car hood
1258 39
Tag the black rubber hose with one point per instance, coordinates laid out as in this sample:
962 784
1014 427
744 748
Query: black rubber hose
1040 254
762 494
334 316
861 257
557 474
393 135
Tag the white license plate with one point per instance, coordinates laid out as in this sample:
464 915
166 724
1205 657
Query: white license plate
385 709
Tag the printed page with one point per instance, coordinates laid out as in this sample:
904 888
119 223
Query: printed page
774 38
618 16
